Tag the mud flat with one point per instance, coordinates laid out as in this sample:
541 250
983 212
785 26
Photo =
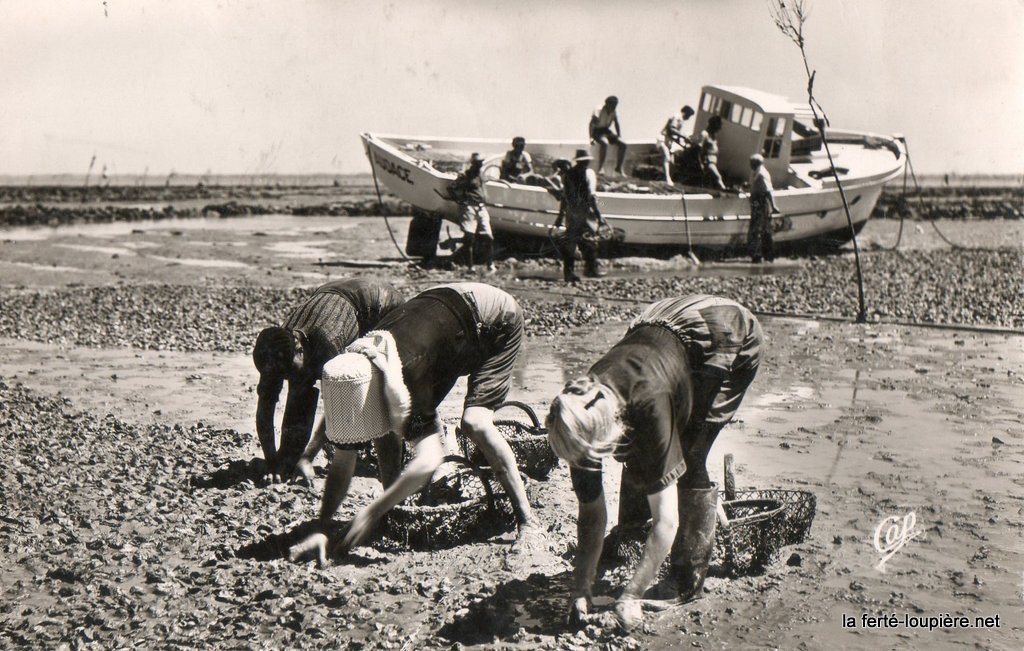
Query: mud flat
132 515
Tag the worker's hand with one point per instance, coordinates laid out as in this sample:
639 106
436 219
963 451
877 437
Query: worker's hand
361 527
579 611
629 612
314 544
304 472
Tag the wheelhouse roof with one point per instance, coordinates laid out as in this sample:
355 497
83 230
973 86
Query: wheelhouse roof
766 102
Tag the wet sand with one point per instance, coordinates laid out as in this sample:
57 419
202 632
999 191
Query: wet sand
877 420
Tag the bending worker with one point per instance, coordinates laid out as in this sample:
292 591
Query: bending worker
335 315
656 401
428 343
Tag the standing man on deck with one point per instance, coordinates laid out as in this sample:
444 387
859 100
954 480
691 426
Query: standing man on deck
673 139
335 315
708 143
602 121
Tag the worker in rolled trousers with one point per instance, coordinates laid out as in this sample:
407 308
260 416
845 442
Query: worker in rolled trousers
332 317
422 348
656 401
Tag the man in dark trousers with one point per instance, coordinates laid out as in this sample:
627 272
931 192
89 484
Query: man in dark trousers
335 315
582 218
762 207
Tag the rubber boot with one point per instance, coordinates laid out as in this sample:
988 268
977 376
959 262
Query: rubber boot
695 540
569 265
467 248
592 269
487 251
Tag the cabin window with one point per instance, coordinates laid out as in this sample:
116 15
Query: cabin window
773 137
745 116
737 113
706 103
772 147
755 122
776 126
726 109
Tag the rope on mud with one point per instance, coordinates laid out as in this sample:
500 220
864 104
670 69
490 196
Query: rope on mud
917 187
383 212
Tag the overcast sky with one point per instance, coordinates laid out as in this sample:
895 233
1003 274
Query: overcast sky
238 86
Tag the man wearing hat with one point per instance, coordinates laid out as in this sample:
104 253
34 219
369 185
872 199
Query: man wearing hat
468 191
673 139
331 318
602 121
582 218
762 207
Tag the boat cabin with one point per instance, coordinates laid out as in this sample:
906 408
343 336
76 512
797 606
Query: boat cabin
757 122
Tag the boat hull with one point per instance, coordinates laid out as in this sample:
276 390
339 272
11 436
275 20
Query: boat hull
700 220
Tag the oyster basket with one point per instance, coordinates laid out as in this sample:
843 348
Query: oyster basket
462 506
799 508
529 443
752 540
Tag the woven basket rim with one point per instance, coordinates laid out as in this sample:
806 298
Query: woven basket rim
760 516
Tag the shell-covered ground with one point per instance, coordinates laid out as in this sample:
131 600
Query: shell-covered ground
133 516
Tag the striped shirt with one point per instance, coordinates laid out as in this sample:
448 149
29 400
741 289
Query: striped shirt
335 315
715 330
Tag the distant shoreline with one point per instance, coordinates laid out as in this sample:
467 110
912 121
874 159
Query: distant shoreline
361 178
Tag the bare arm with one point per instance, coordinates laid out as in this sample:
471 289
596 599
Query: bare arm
665 513
265 427
590 526
304 466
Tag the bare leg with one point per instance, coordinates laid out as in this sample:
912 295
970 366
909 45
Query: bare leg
339 476
389 457
622 157
478 424
602 153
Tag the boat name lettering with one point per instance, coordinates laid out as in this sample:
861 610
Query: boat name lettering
394 169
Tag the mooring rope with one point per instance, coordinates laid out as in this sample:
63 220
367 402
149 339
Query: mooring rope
383 212
917 187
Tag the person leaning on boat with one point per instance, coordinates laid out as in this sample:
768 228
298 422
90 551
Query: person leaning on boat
762 207
656 401
467 190
578 208
331 318
673 139
424 346
708 149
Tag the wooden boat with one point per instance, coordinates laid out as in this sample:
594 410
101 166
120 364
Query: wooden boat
648 212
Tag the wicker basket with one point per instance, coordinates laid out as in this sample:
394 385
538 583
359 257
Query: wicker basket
799 508
529 443
461 506
753 538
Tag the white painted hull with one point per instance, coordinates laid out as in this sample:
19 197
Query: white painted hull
645 219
